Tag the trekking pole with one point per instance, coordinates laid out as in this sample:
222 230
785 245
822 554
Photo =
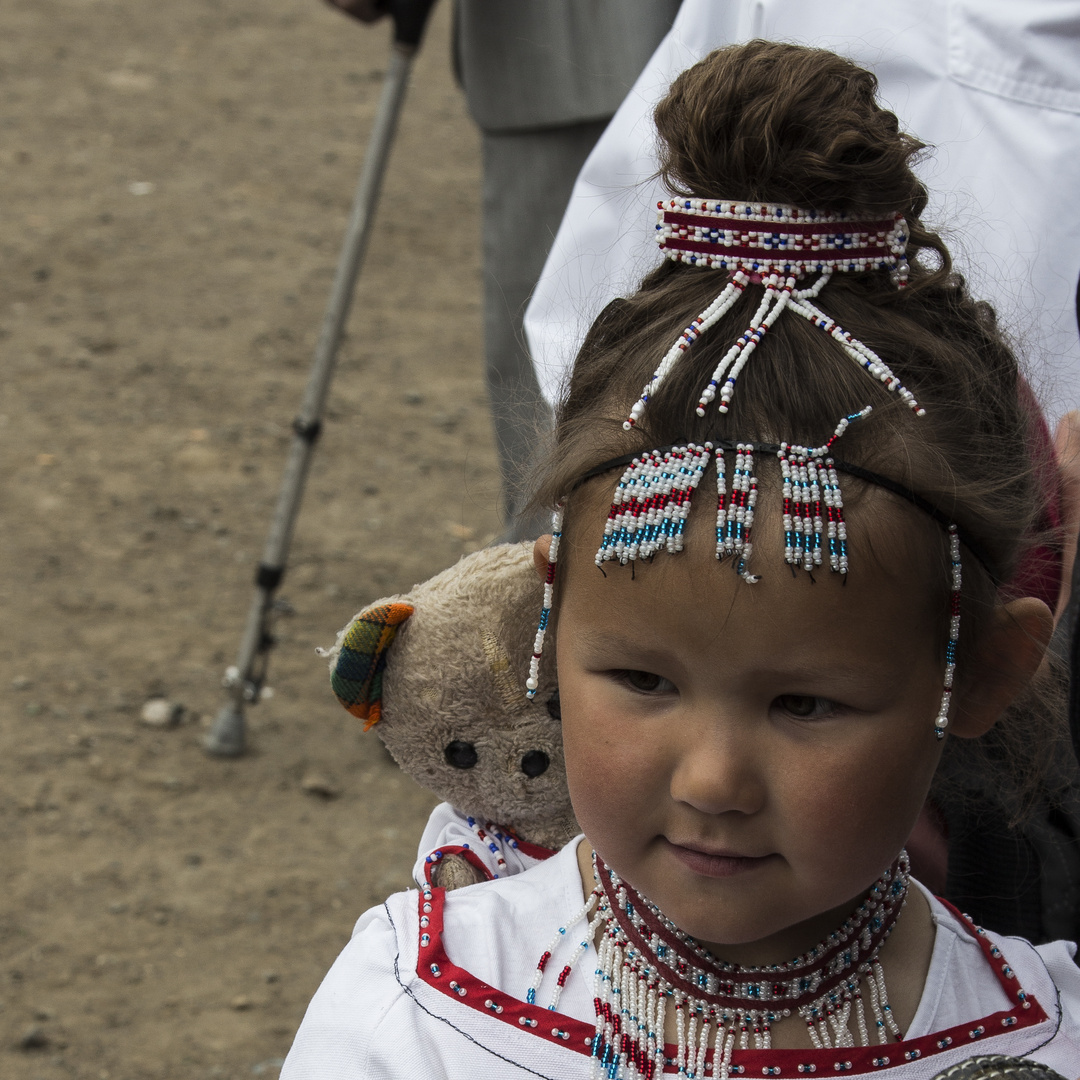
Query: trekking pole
244 681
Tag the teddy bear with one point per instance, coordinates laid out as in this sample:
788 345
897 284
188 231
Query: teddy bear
438 674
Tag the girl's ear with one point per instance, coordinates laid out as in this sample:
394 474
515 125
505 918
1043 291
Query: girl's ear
541 550
1008 656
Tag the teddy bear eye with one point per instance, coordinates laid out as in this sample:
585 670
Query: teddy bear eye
462 755
534 763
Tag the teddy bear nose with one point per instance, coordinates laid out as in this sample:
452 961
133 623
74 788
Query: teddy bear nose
462 755
534 763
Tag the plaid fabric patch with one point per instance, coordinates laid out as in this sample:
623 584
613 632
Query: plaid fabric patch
357 677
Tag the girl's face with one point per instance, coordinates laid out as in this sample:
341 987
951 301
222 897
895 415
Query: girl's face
749 757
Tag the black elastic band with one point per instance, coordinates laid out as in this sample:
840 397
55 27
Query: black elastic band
269 577
308 430
845 467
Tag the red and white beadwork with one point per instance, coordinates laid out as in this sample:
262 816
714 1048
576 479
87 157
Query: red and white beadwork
725 235
587 936
810 482
777 246
735 515
649 509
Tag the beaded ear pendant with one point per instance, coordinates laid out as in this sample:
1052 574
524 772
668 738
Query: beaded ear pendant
942 721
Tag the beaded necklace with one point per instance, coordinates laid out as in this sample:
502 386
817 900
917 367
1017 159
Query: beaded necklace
644 961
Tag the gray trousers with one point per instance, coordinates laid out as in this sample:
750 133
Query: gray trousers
528 177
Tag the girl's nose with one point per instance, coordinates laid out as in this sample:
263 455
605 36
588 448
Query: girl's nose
719 772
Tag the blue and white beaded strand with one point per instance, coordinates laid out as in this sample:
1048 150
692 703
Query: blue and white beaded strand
837 529
491 845
942 721
774 301
532 683
862 354
712 314
808 480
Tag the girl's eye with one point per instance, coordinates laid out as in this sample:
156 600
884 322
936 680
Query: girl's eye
645 682
805 706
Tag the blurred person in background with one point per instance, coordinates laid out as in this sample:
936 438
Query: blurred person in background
542 78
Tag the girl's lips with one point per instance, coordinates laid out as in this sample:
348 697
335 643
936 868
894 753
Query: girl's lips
715 864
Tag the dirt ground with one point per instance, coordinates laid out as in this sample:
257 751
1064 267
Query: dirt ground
176 179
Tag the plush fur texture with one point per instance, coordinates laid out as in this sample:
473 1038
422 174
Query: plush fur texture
455 674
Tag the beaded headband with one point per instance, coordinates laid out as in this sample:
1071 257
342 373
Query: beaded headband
777 246
652 501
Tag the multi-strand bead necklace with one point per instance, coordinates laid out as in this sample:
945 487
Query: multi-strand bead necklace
647 965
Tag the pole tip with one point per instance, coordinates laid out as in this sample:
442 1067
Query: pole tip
226 738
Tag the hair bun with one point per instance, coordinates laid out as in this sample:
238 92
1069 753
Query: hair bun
781 123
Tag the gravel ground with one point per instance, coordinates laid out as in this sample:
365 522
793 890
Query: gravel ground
175 184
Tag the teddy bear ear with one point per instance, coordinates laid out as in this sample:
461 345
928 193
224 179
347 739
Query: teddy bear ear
357 676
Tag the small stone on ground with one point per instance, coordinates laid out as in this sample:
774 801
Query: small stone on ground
316 784
160 712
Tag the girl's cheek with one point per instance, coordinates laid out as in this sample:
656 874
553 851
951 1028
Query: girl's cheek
601 765
876 798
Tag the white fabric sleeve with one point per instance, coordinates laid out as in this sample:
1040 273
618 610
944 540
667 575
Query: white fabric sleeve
1060 960
339 1029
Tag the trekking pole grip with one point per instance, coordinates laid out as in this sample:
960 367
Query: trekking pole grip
410 17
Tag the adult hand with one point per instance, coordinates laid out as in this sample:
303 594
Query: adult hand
368 11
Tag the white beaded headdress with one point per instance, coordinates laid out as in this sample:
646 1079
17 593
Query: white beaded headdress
776 246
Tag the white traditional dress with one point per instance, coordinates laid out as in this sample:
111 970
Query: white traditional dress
434 984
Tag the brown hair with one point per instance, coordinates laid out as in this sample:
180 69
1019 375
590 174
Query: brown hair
782 123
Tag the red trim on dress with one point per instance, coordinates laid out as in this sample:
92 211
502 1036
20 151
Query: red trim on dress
534 851
434 968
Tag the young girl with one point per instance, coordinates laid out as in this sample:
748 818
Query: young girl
806 393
